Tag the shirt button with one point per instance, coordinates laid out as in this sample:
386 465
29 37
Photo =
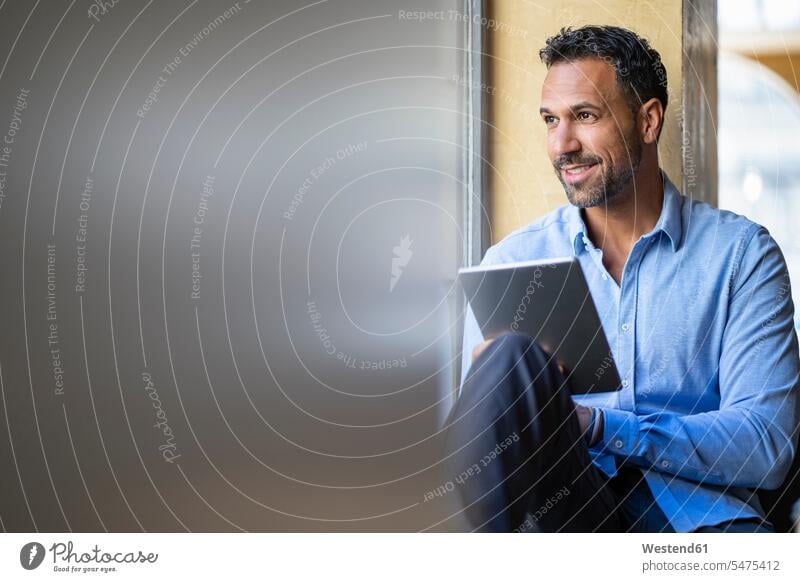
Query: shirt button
618 443
626 327
625 383
665 464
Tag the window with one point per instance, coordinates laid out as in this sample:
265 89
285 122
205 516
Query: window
759 152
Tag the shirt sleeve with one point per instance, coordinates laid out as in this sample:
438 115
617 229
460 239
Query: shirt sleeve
751 440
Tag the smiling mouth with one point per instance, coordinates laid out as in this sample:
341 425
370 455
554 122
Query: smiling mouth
578 173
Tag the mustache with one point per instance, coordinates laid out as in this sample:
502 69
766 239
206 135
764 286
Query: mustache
574 160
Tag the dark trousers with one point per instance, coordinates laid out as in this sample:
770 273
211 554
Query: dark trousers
519 459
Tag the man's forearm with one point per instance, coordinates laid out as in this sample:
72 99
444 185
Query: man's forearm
729 447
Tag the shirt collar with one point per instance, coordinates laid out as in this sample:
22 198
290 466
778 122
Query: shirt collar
669 222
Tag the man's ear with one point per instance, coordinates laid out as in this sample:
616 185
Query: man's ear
651 119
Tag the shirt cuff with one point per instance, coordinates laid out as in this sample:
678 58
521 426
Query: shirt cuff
620 432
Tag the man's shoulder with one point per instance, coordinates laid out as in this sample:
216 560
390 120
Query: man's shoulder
706 223
547 236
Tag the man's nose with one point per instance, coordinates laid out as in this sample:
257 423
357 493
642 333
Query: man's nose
563 140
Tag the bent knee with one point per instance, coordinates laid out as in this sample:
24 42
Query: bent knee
521 345
511 355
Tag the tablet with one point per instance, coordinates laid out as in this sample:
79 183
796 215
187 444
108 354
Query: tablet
550 301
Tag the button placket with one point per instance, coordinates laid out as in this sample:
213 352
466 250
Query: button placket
640 250
597 257
627 315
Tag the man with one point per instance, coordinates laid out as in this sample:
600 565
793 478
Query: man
695 303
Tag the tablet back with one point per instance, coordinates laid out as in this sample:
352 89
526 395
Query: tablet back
550 301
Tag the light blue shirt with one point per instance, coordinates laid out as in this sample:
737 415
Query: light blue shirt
701 329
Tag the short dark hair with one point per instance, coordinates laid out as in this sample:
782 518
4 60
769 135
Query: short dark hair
639 70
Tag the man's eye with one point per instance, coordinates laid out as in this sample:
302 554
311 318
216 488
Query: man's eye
585 116
549 119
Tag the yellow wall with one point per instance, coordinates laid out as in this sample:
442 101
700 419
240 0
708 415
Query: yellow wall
522 184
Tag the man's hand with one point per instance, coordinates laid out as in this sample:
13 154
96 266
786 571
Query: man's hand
480 347
585 417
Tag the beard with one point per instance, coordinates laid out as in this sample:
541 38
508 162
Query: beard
610 182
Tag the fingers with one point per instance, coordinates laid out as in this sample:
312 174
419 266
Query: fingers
584 416
480 347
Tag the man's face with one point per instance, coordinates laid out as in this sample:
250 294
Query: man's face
591 132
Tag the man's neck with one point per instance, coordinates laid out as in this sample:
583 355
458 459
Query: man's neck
616 226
